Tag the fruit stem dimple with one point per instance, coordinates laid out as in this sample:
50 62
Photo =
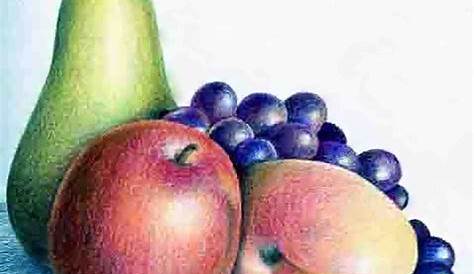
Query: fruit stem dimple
181 157
271 256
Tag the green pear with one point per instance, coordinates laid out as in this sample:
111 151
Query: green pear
107 70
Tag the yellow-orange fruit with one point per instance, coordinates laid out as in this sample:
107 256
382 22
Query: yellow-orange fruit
322 219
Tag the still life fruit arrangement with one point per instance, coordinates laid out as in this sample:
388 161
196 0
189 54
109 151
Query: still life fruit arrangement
111 177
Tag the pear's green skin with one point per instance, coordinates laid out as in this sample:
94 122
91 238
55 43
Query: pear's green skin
107 70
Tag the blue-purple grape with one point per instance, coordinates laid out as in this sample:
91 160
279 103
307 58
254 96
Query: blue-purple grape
230 132
421 230
338 154
189 116
381 168
253 151
330 132
293 141
436 251
399 195
306 108
262 111
432 269
216 99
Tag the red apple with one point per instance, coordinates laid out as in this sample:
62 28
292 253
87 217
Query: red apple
312 217
147 197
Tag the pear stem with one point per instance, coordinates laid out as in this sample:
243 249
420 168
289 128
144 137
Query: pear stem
182 157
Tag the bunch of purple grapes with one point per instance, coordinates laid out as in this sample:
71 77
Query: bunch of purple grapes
264 128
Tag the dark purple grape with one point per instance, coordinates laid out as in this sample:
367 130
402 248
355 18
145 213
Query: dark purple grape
332 133
230 132
436 251
306 108
216 99
432 269
262 111
253 151
338 154
399 195
421 230
293 141
381 168
189 116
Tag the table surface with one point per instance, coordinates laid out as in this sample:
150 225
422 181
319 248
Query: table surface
13 259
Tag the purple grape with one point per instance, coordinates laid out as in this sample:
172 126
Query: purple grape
331 132
293 141
230 132
216 99
262 111
189 116
306 108
432 269
399 195
338 154
381 168
421 230
253 151
436 251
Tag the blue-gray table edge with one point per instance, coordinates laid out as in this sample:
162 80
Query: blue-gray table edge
13 259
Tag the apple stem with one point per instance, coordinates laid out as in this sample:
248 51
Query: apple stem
182 157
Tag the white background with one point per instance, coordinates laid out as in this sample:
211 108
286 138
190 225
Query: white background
395 75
